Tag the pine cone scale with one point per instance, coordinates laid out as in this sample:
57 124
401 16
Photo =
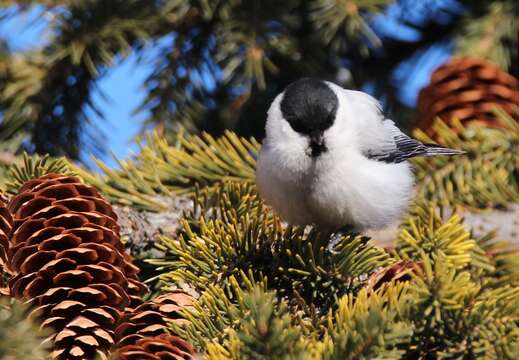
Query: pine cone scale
468 90
142 333
6 223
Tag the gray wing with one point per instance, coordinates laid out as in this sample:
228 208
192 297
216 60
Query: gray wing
398 147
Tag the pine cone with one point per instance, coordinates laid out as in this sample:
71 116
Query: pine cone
399 271
467 89
162 347
6 222
152 317
70 263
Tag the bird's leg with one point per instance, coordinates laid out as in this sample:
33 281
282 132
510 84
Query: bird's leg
336 237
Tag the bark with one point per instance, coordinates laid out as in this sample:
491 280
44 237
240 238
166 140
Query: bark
140 229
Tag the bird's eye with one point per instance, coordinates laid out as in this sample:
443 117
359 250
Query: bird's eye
329 120
298 127
295 124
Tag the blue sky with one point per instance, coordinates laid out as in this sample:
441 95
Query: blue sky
123 88
123 83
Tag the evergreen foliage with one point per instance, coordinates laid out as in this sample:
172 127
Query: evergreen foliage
264 332
364 327
34 167
164 169
487 177
488 29
219 63
454 303
424 233
20 336
236 238
266 289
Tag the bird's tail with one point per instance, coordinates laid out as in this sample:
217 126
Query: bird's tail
435 149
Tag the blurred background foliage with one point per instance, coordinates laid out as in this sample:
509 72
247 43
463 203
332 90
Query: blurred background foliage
220 63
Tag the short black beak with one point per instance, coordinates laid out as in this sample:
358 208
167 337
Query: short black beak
317 145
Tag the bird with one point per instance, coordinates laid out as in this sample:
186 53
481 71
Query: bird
331 159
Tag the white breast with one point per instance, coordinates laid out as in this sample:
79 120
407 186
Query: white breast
340 187
332 193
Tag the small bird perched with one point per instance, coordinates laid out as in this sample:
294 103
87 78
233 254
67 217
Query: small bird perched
332 160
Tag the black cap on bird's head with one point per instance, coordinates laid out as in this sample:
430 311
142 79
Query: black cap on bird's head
309 106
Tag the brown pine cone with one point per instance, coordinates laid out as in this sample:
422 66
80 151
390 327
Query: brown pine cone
161 347
6 222
467 89
399 271
152 317
70 263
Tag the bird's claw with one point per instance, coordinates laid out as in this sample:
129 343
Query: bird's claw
336 237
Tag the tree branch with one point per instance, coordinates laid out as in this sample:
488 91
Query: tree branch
140 229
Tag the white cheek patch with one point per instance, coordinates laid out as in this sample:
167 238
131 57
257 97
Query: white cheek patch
343 135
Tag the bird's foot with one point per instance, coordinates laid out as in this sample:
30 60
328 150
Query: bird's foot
336 237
